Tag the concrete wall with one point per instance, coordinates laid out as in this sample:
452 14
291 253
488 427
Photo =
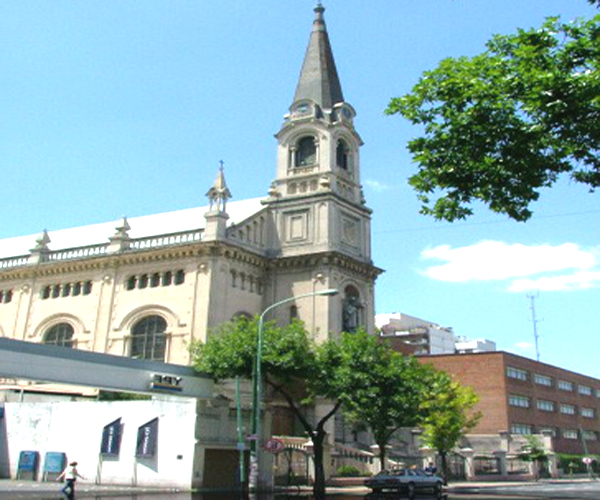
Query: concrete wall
76 429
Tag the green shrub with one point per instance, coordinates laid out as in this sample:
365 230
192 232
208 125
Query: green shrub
571 463
348 471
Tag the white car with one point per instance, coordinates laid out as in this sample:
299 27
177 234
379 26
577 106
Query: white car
409 480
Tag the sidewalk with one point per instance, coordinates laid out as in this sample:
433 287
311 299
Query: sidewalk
475 487
83 489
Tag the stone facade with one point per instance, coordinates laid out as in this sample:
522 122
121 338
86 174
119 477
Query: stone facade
149 286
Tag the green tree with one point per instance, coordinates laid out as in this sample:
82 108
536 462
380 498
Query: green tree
504 124
385 397
534 451
447 415
295 368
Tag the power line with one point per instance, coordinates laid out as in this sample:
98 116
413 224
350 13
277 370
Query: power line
452 225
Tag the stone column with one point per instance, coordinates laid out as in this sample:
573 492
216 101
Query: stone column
501 455
468 454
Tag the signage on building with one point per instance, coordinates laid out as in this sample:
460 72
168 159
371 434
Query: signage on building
274 445
147 438
111 438
166 383
55 462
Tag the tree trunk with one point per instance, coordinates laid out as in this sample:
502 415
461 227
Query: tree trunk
319 486
445 471
317 435
382 453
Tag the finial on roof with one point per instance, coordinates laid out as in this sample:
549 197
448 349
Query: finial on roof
218 194
41 242
120 240
123 227
40 252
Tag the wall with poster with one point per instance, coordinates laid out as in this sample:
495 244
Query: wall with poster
145 443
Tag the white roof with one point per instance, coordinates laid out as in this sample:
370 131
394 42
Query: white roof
141 227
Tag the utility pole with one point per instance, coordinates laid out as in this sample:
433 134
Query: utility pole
535 322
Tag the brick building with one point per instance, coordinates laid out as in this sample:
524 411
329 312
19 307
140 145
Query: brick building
523 396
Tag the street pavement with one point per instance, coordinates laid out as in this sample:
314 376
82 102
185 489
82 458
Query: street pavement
580 489
584 489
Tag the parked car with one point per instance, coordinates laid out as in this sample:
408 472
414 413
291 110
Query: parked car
409 480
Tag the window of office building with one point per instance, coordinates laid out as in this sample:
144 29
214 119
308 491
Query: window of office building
521 429
520 401
544 405
590 435
567 409
569 433
565 386
517 373
588 412
585 390
542 380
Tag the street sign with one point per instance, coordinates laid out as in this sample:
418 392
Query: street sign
251 437
274 445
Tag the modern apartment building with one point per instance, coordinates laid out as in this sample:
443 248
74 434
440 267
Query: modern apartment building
523 396
419 337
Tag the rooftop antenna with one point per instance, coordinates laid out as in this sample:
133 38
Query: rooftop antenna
535 322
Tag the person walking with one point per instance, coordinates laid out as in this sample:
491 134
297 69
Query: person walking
70 475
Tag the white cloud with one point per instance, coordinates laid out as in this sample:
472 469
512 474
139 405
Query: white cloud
523 346
575 281
523 267
378 187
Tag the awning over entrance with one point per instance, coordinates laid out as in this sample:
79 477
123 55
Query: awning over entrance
26 360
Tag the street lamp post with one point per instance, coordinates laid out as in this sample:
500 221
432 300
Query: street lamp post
256 424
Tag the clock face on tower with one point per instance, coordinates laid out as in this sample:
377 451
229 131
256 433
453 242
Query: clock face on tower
302 109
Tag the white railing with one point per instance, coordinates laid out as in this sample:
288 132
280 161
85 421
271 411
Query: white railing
166 240
102 249
78 253
22 260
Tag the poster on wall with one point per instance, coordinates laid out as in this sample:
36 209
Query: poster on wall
111 438
147 438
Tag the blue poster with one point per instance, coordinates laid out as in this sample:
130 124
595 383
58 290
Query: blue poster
111 438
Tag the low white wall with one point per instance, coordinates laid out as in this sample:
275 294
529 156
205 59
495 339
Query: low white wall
76 429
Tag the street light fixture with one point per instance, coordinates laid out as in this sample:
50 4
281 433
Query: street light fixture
256 424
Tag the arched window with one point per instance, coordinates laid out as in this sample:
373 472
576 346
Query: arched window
293 313
60 334
148 339
306 152
241 314
342 155
352 310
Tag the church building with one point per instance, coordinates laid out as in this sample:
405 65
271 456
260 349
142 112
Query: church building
145 287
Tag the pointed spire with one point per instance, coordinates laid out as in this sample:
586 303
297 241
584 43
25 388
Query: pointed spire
218 194
319 79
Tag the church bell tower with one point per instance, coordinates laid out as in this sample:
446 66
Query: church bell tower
316 198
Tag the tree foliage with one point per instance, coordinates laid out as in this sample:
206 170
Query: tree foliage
534 451
447 415
298 370
504 124
385 397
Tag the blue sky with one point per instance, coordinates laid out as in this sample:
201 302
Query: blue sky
113 108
